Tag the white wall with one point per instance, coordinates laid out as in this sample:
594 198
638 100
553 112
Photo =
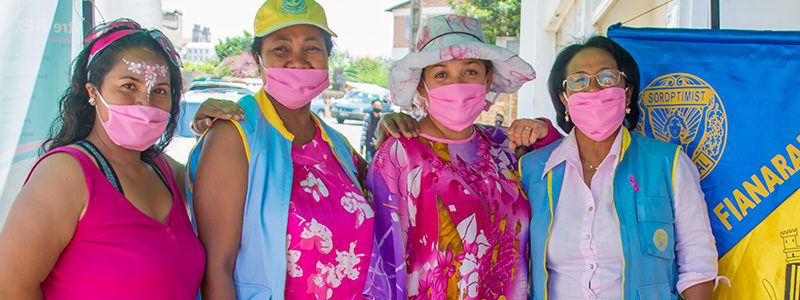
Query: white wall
537 46
694 14
549 25
760 14
398 53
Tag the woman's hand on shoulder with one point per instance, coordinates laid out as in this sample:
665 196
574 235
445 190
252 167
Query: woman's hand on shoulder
525 132
399 125
213 109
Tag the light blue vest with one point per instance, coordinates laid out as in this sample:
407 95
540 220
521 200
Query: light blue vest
645 215
260 271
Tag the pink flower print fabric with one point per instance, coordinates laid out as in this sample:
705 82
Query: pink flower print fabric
451 221
424 38
468 23
329 235
458 52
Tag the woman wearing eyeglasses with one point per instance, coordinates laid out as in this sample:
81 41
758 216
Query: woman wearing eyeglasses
102 214
615 215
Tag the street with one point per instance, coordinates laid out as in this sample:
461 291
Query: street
180 147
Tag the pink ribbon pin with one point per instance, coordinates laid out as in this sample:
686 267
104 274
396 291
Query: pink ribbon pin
633 182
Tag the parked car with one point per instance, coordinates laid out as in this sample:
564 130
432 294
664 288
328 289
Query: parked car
318 106
357 103
199 92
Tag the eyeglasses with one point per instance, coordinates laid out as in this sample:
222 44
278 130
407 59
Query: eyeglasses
103 30
606 78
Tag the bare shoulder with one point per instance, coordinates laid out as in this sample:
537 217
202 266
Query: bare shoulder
224 133
60 167
42 220
222 159
58 181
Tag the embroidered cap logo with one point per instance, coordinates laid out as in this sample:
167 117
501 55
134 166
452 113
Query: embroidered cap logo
294 7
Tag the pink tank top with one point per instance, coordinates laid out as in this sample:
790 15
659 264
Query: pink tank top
118 252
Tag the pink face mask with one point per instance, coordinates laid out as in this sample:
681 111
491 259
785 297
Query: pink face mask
295 88
457 106
134 127
598 114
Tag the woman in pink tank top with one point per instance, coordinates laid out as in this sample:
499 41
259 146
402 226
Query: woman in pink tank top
102 214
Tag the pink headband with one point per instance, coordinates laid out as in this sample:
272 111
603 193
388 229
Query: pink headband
106 40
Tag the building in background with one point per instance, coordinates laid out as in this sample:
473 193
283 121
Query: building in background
172 26
145 12
402 22
508 42
549 25
200 49
201 34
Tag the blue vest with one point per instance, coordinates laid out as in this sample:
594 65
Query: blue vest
646 219
260 271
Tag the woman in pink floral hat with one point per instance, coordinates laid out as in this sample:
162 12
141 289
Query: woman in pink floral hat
450 219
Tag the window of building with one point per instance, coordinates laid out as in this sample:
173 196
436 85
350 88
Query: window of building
408 29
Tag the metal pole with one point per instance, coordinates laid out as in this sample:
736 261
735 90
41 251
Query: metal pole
714 14
416 13
88 16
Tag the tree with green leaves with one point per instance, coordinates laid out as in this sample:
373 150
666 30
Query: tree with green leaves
498 17
233 46
206 68
367 70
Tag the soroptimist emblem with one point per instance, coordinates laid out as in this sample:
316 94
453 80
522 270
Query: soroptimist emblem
683 109
661 239
294 7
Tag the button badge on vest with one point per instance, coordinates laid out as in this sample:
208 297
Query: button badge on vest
661 239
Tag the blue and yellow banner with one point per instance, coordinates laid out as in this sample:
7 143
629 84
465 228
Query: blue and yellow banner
731 99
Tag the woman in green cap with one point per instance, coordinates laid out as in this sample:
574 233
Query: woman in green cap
287 218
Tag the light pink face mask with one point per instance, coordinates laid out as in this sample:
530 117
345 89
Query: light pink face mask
134 127
598 114
295 88
457 106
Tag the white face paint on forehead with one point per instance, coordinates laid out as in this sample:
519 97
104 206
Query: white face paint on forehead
151 72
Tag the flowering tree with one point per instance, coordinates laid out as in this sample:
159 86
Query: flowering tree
241 65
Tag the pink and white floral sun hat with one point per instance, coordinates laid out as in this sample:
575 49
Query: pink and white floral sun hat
449 37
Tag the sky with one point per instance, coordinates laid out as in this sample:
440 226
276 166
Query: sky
363 27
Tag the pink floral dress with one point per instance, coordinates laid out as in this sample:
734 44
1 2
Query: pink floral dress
451 220
329 234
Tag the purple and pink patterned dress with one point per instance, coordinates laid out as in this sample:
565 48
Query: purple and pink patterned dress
329 234
451 220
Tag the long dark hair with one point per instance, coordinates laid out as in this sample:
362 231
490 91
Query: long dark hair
625 62
76 117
